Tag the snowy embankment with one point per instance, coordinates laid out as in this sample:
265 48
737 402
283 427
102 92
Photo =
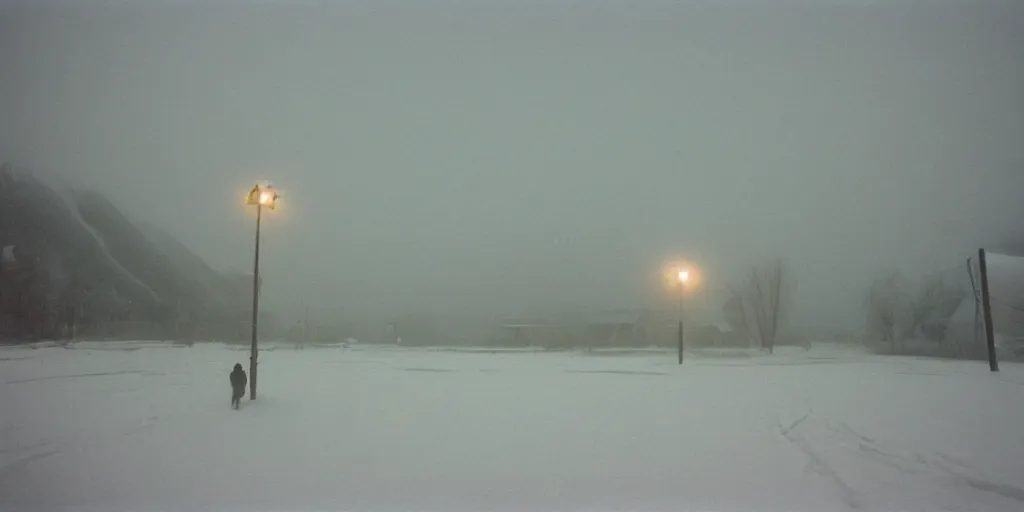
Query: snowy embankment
369 429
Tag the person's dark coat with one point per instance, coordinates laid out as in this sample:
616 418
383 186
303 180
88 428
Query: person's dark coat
238 382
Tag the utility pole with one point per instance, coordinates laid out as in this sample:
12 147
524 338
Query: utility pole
986 305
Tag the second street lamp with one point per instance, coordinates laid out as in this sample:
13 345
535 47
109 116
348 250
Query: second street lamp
261 196
683 276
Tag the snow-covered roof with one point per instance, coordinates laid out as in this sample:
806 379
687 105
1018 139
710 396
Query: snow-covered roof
616 317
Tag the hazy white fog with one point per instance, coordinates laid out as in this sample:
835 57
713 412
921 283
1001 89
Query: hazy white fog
499 156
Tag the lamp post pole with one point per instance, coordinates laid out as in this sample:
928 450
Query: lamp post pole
254 347
683 275
682 295
260 196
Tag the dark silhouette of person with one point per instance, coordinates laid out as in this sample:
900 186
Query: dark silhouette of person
238 381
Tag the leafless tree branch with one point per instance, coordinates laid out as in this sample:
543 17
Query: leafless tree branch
767 295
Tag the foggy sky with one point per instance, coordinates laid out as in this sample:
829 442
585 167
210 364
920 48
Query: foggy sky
497 157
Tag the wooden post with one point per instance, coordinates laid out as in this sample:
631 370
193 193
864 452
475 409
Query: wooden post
986 305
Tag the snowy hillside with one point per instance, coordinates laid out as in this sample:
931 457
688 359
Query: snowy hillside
44 218
368 429
84 262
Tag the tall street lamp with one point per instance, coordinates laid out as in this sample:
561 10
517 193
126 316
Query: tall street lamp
683 276
261 196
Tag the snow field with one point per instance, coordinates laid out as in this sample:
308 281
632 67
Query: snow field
386 429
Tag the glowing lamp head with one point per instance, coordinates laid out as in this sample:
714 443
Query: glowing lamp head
263 195
681 276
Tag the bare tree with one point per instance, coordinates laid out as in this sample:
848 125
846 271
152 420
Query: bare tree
768 297
897 310
976 295
735 313
923 306
883 305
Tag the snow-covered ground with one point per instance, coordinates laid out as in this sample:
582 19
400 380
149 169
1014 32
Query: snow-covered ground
389 429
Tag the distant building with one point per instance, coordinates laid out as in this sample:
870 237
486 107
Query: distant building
614 328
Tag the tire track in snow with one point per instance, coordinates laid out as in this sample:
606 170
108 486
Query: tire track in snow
915 463
80 375
847 494
49 448
22 462
786 431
